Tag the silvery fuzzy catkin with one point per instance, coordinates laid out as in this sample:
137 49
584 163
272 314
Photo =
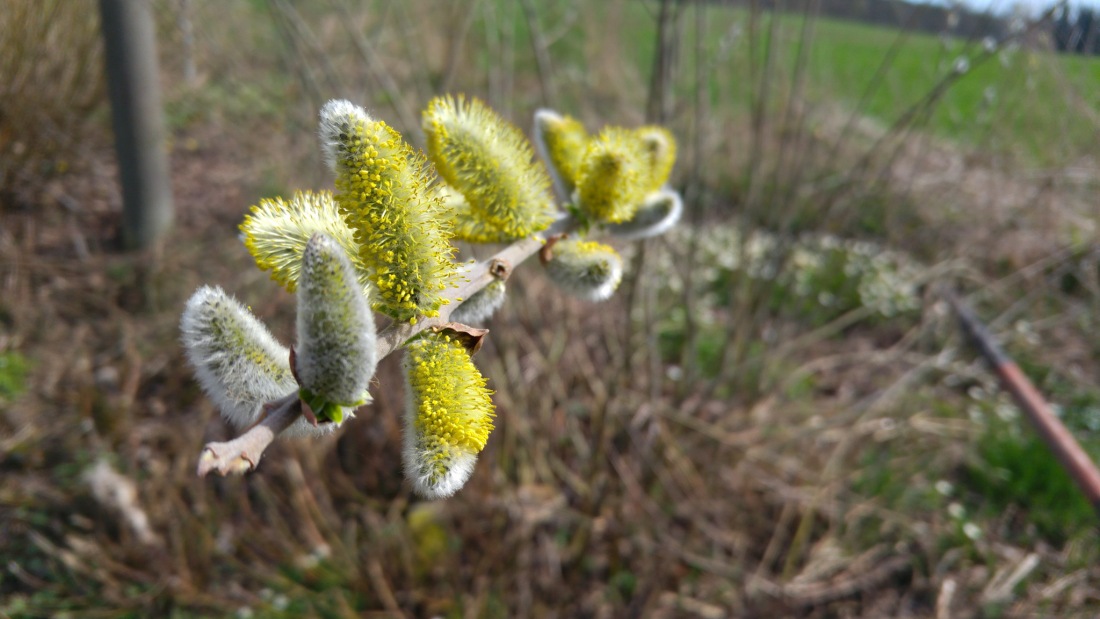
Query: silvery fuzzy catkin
561 141
658 214
585 269
238 363
336 353
481 306
465 224
613 178
659 148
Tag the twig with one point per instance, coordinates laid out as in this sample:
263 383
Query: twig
1004 582
307 43
377 70
382 586
499 266
945 597
458 38
542 53
243 453
692 201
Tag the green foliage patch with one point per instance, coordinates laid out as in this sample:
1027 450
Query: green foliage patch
14 368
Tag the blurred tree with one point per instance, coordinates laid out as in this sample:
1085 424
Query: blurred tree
1063 30
1084 27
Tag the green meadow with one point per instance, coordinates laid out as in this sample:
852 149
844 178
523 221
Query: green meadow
1012 99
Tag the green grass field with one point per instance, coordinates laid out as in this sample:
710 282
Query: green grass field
1035 104
1038 105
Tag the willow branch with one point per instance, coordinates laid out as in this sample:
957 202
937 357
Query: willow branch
243 453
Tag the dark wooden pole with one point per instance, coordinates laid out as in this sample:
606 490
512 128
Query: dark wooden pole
130 46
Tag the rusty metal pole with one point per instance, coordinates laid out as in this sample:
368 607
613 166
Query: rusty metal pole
1053 432
130 45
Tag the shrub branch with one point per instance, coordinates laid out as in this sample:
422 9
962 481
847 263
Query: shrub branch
243 453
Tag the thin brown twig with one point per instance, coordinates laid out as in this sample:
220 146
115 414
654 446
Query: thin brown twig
243 453
542 53
692 198
458 39
377 70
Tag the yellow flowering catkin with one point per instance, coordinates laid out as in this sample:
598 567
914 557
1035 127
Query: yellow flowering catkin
448 415
383 192
465 225
562 141
489 162
276 232
614 176
660 154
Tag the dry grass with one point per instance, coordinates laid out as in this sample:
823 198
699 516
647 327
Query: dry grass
51 60
768 466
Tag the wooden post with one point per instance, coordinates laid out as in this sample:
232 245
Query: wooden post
1054 433
130 46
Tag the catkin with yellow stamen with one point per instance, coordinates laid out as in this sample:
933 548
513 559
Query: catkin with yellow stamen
585 269
660 154
383 192
448 415
276 232
336 355
613 177
561 141
465 225
489 161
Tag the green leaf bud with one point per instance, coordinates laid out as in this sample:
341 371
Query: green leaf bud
335 356
585 269
489 161
659 147
448 415
276 233
399 223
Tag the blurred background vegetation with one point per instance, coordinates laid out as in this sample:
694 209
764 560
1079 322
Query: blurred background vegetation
774 417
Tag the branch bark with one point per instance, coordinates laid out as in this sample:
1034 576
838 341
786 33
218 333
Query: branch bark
243 453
